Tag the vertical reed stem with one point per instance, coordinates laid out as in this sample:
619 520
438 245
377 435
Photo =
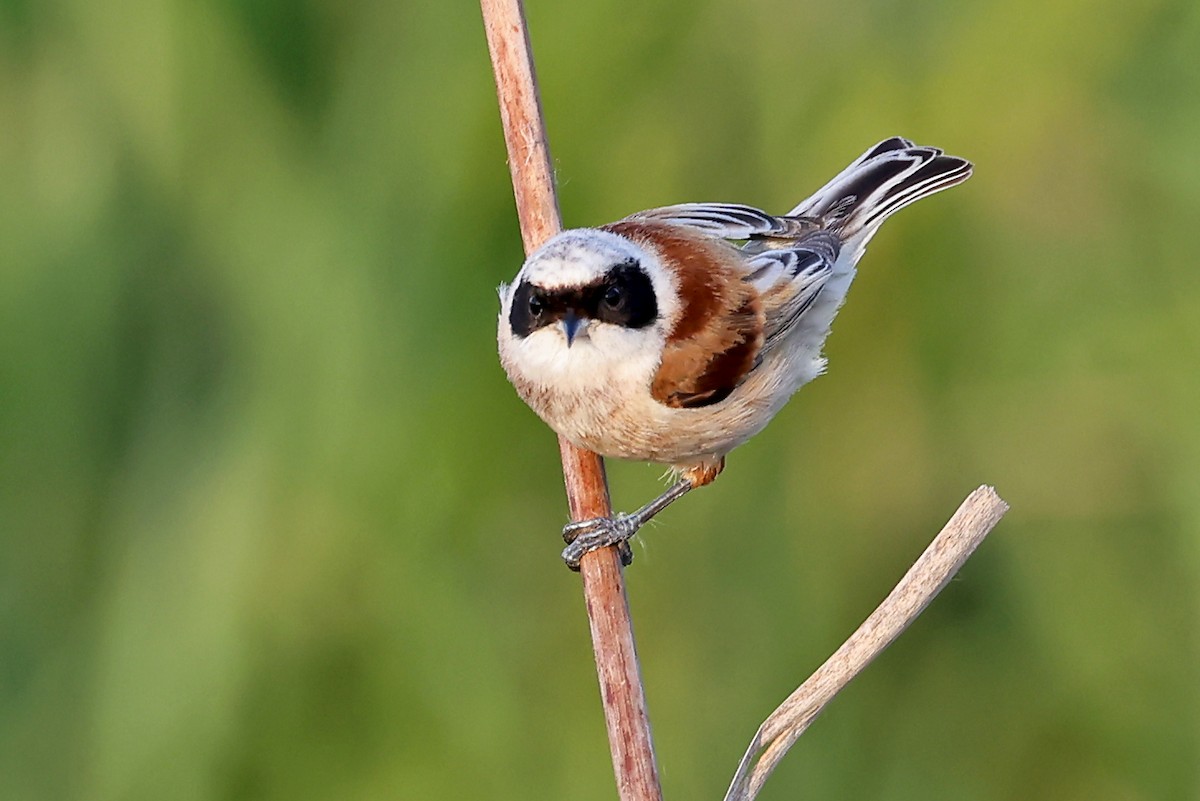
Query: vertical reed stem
621 690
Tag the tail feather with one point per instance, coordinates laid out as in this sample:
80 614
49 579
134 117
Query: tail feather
891 175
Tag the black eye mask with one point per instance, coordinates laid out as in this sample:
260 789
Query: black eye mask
624 296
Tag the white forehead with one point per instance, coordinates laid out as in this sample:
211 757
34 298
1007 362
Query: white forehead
578 257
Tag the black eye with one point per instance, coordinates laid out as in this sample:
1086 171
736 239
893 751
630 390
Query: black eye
624 297
531 309
614 297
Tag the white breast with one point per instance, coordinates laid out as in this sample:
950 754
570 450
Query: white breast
597 394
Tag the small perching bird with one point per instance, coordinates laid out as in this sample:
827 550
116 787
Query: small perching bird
656 338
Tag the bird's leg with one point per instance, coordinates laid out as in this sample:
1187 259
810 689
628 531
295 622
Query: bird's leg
601 532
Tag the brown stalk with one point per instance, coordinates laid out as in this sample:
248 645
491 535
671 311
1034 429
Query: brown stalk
621 690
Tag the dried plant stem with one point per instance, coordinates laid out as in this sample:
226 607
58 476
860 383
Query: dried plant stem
977 515
621 689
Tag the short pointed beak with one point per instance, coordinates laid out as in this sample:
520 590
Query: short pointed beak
573 325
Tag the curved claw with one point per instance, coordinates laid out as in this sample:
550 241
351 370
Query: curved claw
585 536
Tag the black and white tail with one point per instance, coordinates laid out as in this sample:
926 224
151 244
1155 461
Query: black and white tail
880 182
852 206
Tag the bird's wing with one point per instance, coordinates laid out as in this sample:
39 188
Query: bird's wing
729 221
789 279
788 259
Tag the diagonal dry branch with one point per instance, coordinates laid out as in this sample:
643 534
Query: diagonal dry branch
977 515
621 689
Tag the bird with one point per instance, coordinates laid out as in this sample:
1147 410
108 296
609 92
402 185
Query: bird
676 334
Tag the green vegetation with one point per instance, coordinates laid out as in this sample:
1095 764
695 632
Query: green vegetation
274 526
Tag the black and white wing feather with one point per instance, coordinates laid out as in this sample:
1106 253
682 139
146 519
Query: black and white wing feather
729 221
789 280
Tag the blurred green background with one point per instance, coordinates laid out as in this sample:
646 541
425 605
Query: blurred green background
273 525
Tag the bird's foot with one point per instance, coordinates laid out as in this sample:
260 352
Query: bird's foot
600 532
